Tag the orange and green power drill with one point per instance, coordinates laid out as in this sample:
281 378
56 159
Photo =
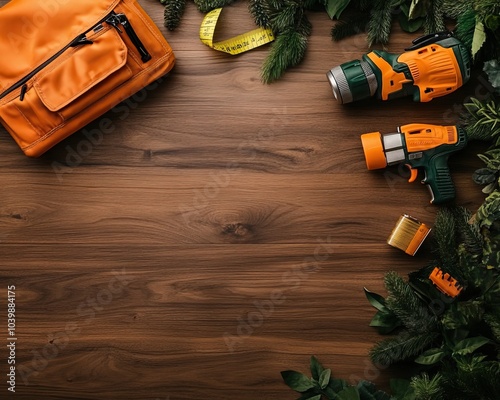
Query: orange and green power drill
418 146
435 65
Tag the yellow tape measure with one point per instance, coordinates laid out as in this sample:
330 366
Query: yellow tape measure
236 45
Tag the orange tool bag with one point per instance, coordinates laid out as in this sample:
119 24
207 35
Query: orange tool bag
64 63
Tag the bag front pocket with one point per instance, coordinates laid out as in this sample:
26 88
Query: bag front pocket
84 74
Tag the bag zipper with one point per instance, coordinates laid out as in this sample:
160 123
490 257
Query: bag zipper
79 40
121 19
112 19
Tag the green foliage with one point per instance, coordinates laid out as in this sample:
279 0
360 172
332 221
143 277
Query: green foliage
455 8
334 8
478 24
322 385
379 26
473 378
482 120
287 50
492 69
401 347
174 9
261 12
426 388
208 5
407 306
445 240
478 38
434 20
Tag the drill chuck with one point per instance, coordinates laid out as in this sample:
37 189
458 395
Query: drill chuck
352 81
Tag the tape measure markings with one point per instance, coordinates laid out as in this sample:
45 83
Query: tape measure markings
237 44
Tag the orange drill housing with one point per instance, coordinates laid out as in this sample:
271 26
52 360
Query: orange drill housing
422 137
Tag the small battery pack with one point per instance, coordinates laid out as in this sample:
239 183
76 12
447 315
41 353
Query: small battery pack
408 234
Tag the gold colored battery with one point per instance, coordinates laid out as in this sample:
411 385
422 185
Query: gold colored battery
408 234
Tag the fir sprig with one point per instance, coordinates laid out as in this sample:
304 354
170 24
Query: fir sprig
426 388
261 12
434 20
445 239
407 306
174 9
379 26
208 5
401 347
287 50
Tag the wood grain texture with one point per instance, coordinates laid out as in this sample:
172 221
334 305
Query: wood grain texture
221 232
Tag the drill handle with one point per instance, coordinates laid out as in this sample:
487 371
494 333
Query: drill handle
438 180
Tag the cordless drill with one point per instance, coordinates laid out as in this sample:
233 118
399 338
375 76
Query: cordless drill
435 65
418 146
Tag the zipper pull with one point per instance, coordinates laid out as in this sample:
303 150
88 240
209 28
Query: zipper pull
114 22
124 21
24 89
80 41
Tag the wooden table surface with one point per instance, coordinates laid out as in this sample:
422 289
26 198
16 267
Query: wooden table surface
221 233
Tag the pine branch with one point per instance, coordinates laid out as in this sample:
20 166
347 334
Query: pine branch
427 389
477 382
174 9
401 347
404 302
286 17
455 8
482 120
287 50
445 239
349 26
363 5
261 12
434 20
379 26
493 320
466 23
208 5
469 231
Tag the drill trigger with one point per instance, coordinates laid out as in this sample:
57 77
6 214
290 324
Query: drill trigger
413 173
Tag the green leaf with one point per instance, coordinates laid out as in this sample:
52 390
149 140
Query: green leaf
469 345
368 391
462 315
431 356
484 176
410 25
316 368
337 385
385 322
478 39
324 378
416 10
334 8
310 397
488 189
492 22
297 381
349 393
375 300
492 69
401 389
